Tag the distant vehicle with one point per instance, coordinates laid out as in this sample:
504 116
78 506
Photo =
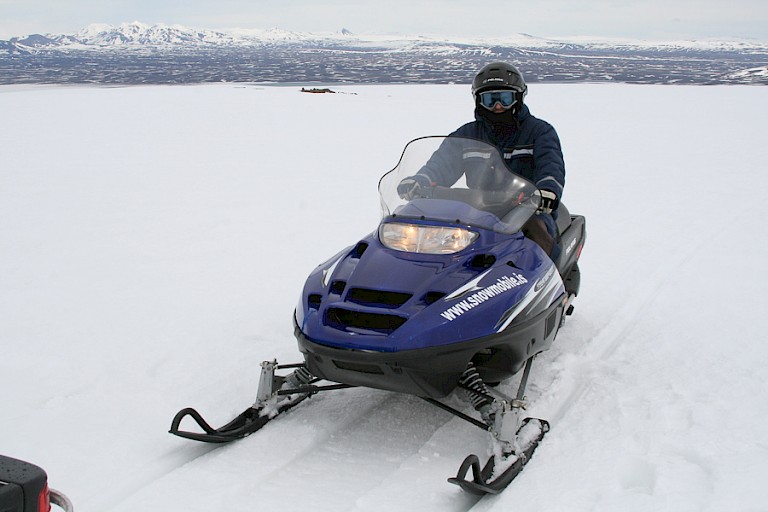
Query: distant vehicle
24 488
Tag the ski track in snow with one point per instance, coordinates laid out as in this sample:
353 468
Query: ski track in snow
338 448
153 282
606 339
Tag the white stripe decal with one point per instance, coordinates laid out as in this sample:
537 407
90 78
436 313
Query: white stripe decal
470 286
327 273
553 284
548 178
516 152
476 154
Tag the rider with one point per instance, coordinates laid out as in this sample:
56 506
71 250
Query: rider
530 147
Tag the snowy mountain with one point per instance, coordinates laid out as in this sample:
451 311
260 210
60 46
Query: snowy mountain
140 53
137 34
148 35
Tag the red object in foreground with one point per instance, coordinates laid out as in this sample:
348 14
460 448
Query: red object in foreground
24 488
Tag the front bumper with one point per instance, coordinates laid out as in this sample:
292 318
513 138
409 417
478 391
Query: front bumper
433 372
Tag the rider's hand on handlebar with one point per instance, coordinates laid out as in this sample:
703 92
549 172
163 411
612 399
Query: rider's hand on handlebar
548 202
413 186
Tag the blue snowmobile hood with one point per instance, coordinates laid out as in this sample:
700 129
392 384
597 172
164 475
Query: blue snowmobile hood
374 298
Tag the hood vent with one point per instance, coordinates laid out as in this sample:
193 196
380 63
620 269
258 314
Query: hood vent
359 249
337 287
432 297
482 261
345 319
377 298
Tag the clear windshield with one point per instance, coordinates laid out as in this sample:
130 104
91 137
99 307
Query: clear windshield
460 179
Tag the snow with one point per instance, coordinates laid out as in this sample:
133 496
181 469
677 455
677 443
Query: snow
154 241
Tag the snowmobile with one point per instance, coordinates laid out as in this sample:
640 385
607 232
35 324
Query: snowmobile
447 298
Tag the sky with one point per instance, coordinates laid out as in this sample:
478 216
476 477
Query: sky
649 19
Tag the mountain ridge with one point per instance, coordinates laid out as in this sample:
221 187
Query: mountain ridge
139 53
139 33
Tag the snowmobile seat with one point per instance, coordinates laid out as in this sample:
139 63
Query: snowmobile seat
563 219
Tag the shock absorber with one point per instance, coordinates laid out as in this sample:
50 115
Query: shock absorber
476 392
299 377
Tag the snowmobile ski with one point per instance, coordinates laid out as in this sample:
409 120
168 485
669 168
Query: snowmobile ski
489 480
276 395
513 439
245 424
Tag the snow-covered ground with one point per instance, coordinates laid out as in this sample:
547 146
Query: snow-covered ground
154 241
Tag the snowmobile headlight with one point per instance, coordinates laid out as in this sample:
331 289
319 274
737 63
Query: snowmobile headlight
425 239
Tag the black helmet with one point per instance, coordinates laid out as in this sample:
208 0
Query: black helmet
499 75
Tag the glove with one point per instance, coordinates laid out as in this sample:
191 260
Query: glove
414 186
548 201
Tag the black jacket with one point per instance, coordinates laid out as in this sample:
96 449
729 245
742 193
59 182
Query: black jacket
530 147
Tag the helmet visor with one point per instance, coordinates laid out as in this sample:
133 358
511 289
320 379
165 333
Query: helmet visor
506 98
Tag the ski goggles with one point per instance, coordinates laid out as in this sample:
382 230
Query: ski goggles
507 98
